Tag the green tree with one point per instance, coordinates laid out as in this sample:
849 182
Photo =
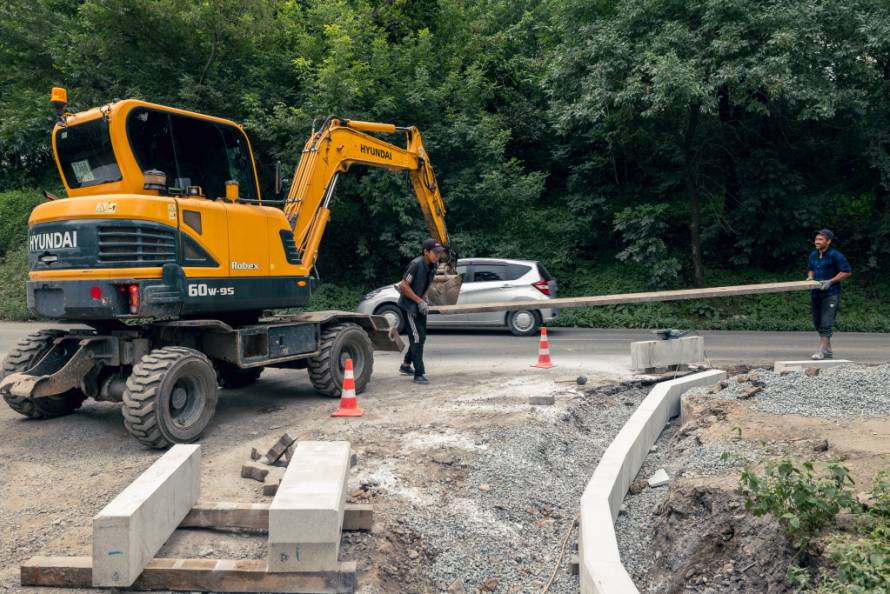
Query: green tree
686 97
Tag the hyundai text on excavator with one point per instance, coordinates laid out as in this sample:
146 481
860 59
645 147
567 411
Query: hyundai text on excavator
166 250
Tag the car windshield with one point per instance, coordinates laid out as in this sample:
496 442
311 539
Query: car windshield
85 154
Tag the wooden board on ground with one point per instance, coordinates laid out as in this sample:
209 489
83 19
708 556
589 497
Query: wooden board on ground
203 575
679 295
255 516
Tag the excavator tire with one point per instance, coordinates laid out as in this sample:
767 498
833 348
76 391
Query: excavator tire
23 356
232 377
170 397
339 342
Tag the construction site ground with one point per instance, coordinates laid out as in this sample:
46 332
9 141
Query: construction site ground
469 482
693 534
472 487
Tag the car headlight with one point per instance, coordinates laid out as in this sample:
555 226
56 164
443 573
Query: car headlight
371 294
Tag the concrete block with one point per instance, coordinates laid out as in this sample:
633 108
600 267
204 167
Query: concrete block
277 450
273 479
659 478
255 471
135 525
780 366
650 354
306 516
546 400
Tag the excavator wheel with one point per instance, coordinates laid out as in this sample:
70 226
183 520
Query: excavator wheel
232 377
23 356
338 343
170 397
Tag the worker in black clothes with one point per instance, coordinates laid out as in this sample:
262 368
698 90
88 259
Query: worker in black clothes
414 289
829 267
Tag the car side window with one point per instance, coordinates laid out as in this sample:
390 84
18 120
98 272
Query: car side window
462 271
488 272
516 271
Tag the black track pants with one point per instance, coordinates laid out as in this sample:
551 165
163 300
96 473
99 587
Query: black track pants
416 326
824 312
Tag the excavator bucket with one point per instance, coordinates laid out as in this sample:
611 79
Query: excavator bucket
445 289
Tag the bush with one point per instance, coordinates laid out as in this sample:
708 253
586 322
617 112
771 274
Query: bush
335 297
802 503
13 290
15 208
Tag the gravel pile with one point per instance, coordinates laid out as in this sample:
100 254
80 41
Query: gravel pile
845 391
521 496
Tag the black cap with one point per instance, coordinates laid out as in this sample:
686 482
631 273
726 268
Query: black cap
432 244
826 233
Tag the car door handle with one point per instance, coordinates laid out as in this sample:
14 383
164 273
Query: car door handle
506 286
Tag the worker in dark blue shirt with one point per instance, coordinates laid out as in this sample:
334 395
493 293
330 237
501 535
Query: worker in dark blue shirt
829 267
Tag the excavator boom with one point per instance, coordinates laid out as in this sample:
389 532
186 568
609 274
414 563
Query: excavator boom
333 149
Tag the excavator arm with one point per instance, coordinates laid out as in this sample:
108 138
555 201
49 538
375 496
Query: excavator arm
332 150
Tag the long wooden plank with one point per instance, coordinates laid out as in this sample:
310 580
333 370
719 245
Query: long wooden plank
202 575
596 300
255 516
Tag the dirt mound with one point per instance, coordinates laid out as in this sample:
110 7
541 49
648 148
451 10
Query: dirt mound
708 544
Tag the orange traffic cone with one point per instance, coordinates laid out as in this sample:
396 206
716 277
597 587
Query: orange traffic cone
544 352
348 401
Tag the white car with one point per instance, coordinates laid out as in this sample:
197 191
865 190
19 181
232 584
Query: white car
486 280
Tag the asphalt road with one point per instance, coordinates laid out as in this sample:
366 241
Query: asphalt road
594 349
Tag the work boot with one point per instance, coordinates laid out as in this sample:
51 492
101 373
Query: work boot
421 379
405 369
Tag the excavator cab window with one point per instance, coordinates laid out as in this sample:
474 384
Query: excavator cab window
191 151
86 155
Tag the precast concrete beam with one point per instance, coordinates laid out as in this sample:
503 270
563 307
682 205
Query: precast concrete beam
306 516
780 366
135 525
652 354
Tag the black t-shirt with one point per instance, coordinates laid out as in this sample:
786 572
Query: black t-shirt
419 275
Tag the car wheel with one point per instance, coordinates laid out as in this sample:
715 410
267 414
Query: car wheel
394 314
525 322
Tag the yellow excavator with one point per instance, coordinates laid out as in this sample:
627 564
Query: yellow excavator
166 249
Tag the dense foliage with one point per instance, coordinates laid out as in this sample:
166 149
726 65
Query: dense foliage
682 136
851 558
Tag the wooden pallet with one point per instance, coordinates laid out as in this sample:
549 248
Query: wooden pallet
212 575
